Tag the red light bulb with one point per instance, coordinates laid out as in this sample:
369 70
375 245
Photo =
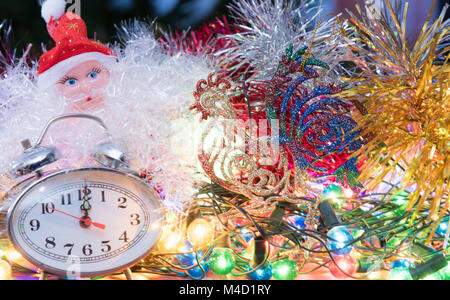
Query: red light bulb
346 263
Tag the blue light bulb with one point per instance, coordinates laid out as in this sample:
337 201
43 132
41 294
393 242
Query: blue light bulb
262 273
401 264
442 228
339 240
246 234
298 222
186 260
190 259
197 272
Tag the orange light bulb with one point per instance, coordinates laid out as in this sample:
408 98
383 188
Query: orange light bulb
200 233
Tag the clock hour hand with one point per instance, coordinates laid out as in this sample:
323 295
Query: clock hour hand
86 206
85 221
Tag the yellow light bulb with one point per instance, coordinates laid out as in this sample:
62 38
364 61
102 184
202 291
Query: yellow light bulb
13 255
200 232
170 241
5 270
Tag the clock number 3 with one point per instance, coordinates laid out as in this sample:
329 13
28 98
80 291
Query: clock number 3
135 219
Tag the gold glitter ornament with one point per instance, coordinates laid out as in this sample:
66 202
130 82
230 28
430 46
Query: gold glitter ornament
241 163
406 95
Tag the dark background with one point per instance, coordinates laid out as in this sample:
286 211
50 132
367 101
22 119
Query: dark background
101 15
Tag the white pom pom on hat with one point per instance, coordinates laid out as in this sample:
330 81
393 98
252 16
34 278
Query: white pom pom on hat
53 8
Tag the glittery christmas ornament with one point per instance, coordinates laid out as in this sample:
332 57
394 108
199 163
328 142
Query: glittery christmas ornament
405 92
314 126
240 159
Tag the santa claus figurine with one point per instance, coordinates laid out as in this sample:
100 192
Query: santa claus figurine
78 67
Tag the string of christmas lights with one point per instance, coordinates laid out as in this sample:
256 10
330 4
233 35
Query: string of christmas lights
307 164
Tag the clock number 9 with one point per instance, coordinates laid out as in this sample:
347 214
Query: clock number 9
35 225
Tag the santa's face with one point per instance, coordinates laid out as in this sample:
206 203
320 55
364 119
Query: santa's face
83 86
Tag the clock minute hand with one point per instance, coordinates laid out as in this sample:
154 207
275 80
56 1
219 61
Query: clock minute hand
87 221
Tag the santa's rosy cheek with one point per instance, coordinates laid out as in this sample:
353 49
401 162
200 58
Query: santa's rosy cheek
101 79
68 91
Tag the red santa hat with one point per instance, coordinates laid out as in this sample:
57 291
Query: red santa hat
73 47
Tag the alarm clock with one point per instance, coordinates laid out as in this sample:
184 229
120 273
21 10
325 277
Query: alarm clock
82 222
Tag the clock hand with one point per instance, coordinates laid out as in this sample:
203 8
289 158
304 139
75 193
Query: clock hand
86 220
85 206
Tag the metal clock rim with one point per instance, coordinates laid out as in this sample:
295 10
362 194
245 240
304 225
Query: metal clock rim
59 272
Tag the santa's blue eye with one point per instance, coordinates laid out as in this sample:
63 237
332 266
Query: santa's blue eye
93 74
71 81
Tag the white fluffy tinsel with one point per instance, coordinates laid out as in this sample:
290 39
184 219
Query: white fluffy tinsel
146 109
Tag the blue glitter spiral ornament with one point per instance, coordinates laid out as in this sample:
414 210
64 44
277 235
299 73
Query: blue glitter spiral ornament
313 124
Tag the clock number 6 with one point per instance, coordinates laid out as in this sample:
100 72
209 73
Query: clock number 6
87 249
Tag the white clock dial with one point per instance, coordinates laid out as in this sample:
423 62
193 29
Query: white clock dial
51 228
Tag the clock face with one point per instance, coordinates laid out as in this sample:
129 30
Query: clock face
86 222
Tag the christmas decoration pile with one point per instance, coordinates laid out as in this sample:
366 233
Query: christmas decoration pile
321 144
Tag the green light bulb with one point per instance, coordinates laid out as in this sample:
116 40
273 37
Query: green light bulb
445 272
284 270
434 276
399 274
222 261
334 194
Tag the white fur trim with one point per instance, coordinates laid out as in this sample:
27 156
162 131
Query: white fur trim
55 73
53 8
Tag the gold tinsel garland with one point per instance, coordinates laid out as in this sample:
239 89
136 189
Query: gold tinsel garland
406 95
